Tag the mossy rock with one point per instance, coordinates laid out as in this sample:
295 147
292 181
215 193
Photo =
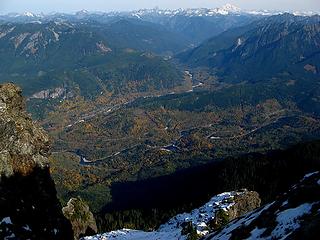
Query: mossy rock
81 218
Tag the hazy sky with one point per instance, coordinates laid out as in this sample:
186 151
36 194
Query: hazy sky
110 5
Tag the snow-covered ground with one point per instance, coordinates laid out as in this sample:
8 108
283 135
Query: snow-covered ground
128 234
286 222
172 229
287 214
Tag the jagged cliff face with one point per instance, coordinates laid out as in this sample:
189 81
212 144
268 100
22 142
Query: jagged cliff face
29 208
23 145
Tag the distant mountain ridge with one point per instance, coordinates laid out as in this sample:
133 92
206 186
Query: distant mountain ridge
197 24
282 44
32 51
120 107
227 9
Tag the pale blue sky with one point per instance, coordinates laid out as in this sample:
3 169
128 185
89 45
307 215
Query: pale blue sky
110 5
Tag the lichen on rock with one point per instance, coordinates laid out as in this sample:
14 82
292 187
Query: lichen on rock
82 220
23 144
245 202
29 207
242 202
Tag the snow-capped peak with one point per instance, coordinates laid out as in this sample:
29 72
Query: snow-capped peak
25 15
230 8
227 9
83 11
28 14
191 12
224 10
304 13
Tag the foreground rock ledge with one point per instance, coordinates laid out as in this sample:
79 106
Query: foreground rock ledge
81 218
28 202
293 215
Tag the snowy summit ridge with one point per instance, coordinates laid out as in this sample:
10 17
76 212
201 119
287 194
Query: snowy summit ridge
227 9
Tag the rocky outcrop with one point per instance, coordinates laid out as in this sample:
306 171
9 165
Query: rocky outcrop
241 203
82 220
23 145
29 208
50 93
199 222
293 215
244 202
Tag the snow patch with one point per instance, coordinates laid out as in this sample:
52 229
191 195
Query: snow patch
239 42
172 229
284 203
12 236
198 85
103 48
28 14
256 233
288 220
128 234
6 220
310 174
246 220
56 35
27 228
49 93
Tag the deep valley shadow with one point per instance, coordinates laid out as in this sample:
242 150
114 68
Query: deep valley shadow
155 200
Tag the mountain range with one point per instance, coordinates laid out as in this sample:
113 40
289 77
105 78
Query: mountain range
175 105
279 45
97 58
196 25
227 9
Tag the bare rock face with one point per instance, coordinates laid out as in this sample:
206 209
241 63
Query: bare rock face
245 202
242 202
29 208
82 220
23 145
